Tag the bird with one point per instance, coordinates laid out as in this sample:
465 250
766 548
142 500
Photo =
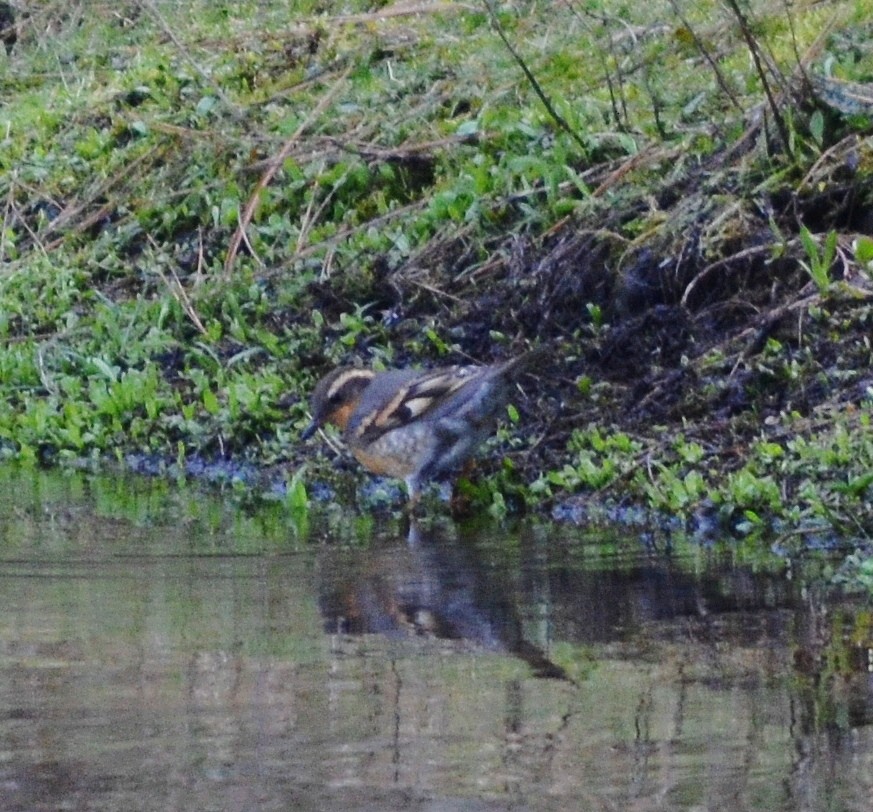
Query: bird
411 424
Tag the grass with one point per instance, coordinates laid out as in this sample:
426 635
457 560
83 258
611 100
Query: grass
206 205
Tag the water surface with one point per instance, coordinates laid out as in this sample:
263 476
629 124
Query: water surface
162 649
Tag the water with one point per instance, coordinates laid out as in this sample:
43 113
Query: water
161 649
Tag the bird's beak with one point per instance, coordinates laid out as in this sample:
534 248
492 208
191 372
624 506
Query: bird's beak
310 430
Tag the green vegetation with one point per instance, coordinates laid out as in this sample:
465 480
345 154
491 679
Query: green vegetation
803 482
206 205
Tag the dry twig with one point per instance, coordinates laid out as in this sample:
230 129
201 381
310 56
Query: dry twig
273 168
177 289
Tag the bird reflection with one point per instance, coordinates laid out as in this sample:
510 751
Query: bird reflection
430 585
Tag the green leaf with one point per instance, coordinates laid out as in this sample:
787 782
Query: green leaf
857 486
205 105
210 402
816 127
808 242
864 250
467 128
107 370
296 497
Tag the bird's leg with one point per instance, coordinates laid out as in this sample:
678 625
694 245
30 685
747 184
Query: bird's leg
413 488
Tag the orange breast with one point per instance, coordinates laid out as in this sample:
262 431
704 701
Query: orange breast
385 464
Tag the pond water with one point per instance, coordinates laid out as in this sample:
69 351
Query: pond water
164 649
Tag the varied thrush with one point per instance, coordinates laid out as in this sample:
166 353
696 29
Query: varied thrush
411 424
